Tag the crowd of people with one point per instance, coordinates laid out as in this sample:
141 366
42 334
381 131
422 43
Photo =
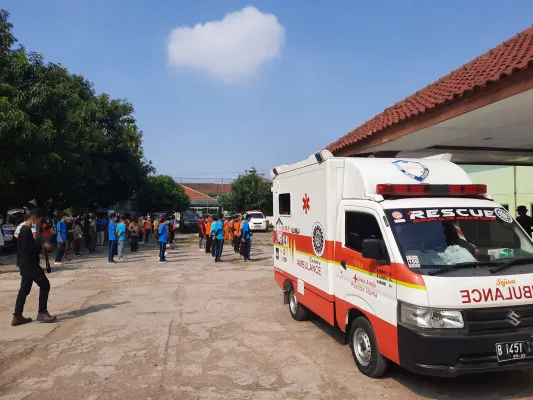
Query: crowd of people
37 235
216 230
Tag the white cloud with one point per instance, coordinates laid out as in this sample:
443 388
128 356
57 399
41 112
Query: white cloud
232 49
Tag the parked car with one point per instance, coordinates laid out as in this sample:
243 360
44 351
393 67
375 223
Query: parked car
258 221
189 221
14 217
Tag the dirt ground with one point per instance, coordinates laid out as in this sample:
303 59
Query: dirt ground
193 329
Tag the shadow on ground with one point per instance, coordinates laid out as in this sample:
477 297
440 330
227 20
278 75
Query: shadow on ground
88 310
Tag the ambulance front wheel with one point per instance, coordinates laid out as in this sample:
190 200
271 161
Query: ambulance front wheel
365 349
298 311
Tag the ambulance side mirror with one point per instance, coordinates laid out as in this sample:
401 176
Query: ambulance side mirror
374 249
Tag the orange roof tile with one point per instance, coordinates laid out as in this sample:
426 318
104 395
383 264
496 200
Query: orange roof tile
195 194
513 55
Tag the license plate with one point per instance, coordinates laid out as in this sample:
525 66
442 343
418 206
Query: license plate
509 351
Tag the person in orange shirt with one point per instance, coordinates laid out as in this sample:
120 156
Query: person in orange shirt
226 229
230 228
147 229
208 240
236 233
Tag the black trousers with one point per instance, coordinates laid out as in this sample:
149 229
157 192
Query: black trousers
28 276
60 251
208 244
134 242
162 250
236 243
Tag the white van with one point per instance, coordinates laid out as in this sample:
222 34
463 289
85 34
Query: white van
414 262
258 221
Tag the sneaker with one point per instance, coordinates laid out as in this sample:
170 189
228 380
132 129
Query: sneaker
58 263
111 262
46 318
48 269
201 250
121 258
19 320
162 262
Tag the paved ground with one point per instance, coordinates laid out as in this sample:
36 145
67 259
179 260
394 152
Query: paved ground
193 329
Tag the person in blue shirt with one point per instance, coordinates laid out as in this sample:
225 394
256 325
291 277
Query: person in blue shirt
61 229
162 233
218 233
246 237
100 231
121 233
112 236
212 236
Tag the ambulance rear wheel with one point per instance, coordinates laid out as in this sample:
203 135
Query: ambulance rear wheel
365 349
298 311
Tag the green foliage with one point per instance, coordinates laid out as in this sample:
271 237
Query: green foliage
63 145
248 192
162 193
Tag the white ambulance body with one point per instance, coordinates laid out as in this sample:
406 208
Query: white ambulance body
414 262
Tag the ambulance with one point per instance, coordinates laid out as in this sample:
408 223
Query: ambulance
416 264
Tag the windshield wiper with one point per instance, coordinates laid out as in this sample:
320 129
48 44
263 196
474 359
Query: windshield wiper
472 264
518 261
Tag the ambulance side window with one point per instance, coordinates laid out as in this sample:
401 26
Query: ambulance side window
284 203
360 226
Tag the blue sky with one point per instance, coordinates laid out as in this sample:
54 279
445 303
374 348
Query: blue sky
338 64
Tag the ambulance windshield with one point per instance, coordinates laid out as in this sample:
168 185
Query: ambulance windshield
435 237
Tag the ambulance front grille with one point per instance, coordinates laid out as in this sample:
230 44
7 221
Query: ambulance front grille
497 320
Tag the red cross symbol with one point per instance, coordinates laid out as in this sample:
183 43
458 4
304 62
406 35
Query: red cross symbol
306 205
355 278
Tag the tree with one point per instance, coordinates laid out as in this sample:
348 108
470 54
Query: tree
162 193
248 192
64 146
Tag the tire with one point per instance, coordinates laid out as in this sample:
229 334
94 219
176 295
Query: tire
365 350
297 310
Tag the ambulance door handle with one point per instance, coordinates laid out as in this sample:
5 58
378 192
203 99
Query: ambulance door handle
343 264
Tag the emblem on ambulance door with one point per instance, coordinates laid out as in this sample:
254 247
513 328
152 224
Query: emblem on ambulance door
319 242
412 169
502 214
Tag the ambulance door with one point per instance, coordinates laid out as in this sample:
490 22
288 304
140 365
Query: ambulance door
363 283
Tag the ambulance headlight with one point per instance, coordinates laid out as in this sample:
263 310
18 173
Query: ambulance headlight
422 317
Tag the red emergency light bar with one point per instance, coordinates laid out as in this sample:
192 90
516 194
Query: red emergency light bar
388 189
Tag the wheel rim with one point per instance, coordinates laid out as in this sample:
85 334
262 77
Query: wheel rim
362 347
293 303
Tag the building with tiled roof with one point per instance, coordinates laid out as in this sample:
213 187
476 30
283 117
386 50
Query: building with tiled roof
201 202
211 189
479 112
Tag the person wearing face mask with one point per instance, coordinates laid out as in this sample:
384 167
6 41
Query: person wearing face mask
30 271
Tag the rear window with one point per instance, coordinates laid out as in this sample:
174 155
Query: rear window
256 215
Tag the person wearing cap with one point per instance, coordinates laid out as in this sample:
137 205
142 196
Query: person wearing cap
524 220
